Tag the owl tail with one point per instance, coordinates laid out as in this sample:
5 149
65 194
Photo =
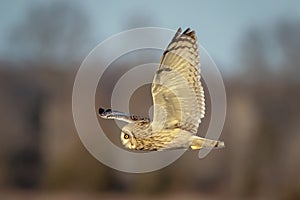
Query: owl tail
199 143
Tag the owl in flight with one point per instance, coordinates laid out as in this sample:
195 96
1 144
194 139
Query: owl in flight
178 99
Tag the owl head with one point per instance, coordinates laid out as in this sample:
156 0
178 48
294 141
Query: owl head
132 133
127 137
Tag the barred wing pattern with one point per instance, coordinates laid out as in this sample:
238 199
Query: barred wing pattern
176 89
113 114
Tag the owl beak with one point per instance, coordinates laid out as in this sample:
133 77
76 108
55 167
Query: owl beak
129 145
132 146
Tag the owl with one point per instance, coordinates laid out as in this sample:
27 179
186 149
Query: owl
178 100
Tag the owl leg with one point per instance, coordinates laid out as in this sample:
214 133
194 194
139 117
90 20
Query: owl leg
199 143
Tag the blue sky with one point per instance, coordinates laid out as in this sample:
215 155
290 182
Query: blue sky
220 25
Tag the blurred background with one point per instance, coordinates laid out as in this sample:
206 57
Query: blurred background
256 46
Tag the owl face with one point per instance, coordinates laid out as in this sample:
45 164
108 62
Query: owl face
128 139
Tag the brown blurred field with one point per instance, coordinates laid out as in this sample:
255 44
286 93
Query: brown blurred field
41 156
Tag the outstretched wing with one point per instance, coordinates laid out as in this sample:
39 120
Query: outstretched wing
177 93
112 114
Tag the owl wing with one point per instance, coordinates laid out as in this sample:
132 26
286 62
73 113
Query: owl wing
177 93
113 114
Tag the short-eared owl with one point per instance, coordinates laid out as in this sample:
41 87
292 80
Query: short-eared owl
178 99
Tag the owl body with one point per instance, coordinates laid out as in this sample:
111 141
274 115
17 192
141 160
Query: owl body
136 136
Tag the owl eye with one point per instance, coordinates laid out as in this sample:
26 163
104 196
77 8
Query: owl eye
126 136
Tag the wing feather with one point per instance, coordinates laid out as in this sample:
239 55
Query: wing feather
177 93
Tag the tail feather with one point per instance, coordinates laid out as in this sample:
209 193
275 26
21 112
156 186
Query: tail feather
199 143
